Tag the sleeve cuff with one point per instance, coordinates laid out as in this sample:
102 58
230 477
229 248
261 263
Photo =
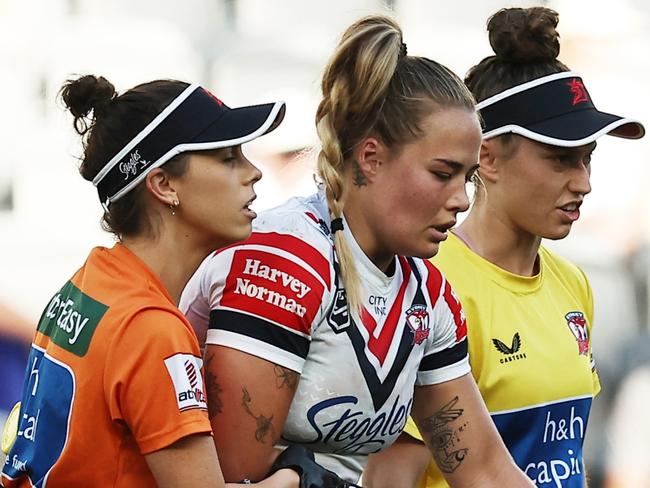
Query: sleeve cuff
257 348
196 425
446 373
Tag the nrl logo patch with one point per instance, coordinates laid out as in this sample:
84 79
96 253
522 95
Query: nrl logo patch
417 319
339 316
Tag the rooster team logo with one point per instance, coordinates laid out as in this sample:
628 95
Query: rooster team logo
579 91
578 326
417 318
214 97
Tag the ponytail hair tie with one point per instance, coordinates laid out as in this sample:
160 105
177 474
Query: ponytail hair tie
402 50
336 225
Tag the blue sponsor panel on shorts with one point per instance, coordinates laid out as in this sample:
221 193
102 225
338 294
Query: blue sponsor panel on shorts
44 417
546 441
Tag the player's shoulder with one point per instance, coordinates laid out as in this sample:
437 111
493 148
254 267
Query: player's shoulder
469 273
298 228
430 279
561 269
295 233
304 218
157 318
150 325
454 257
556 260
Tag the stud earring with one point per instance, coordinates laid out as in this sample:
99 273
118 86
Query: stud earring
173 205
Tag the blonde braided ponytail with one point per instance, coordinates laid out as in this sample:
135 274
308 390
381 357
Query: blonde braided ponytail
371 87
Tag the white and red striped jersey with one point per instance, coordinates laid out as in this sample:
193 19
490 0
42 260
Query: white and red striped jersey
278 296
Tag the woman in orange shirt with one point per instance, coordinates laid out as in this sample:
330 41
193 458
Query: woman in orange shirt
113 391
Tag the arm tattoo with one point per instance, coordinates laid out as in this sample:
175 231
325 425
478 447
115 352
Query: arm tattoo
285 376
213 390
264 424
443 438
359 177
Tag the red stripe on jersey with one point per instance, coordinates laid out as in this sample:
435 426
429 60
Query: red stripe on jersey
312 216
457 311
379 346
272 288
434 281
292 245
296 246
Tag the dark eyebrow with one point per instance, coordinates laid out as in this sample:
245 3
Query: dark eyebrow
455 165
222 151
588 149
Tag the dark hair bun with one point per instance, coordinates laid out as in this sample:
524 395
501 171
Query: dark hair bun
86 94
524 35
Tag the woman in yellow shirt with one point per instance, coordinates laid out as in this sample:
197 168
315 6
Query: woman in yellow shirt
529 312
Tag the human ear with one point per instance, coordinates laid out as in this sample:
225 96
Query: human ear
487 161
370 154
161 187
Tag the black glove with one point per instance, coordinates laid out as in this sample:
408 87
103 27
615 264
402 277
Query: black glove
312 475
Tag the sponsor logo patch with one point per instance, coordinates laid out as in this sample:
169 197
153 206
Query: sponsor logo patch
133 165
185 372
348 428
549 449
512 353
70 319
274 288
44 418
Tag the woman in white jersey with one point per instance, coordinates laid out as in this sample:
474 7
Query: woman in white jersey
529 311
322 330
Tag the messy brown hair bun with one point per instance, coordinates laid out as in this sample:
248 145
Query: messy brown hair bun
526 46
85 95
106 122
524 35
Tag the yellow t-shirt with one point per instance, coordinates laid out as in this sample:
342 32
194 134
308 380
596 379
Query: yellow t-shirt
531 357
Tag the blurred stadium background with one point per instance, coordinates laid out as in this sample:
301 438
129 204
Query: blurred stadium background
249 51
